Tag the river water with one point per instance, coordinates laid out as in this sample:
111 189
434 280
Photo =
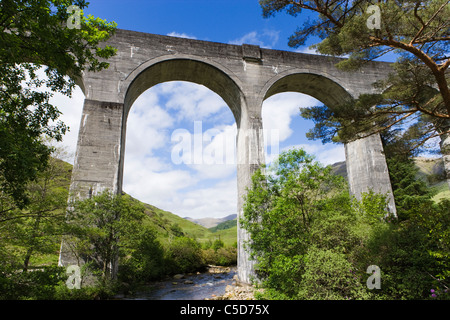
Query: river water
191 287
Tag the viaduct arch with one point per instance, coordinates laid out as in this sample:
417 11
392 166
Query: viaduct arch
244 76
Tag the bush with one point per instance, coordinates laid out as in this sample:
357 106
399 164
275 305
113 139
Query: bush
183 255
146 261
38 284
329 275
221 257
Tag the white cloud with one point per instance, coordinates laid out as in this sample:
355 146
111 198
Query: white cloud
326 154
266 39
279 111
181 35
161 129
218 200
160 189
192 102
307 49
282 112
71 109
147 126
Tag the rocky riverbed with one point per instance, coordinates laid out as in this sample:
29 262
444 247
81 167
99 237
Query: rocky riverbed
217 283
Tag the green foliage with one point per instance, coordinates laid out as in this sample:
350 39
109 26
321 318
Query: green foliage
329 276
183 255
224 225
326 255
217 244
224 256
144 258
101 226
36 230
284 213
33 34
410 192
39 284
416 94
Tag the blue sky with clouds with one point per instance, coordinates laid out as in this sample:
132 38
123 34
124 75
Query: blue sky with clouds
169 112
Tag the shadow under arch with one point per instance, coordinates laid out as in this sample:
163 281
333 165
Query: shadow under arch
185 69
320 87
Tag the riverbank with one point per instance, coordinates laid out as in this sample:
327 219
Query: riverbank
216 283
191 286
236 291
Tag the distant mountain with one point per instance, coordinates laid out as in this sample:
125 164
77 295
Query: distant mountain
211 222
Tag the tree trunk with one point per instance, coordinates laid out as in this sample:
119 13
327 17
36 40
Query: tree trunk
32 243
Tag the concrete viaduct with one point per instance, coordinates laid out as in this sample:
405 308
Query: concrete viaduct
244 76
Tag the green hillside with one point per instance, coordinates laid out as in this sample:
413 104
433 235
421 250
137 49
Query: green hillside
431 170
168 224
224 225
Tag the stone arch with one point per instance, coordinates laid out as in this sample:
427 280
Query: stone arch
323 87
364 157
180 68
184 68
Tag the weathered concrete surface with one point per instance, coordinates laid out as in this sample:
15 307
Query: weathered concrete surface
367 169
244 76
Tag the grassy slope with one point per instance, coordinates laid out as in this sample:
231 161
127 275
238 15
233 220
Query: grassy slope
162 220
434 169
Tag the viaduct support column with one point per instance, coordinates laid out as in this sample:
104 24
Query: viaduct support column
250 156
97 164
367 168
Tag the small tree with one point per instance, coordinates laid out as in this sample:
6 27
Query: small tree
104 224
38 227
279 211
298 214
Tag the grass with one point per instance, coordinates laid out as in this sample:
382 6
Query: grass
442 191
163 221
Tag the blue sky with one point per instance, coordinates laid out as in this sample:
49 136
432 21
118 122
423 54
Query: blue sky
165 114
211 20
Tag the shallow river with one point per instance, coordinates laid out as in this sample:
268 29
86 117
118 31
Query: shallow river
190 287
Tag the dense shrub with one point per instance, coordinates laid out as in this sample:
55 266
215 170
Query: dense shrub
145 259
311 240
39 284
330 276
182 255
220 257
